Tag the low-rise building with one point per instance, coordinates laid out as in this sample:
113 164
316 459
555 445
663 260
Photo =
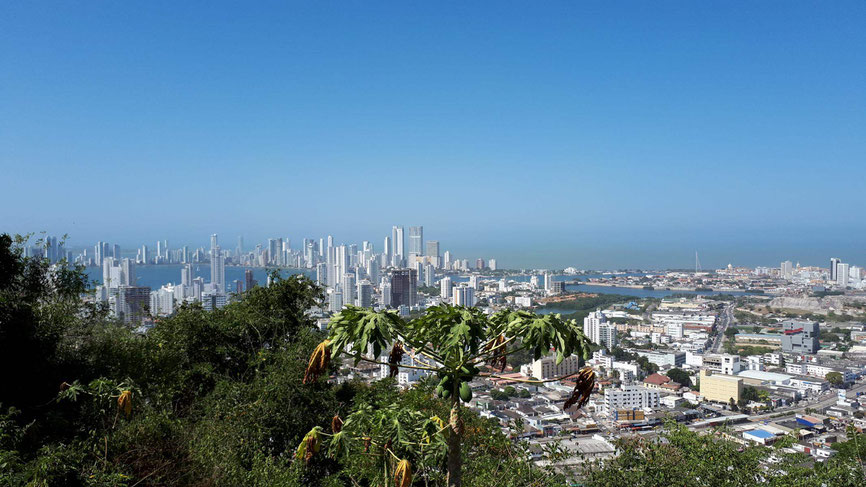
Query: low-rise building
630 397
720 388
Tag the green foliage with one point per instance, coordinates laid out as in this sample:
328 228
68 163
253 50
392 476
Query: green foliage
835 378
451 342
214 397
680 376
686 458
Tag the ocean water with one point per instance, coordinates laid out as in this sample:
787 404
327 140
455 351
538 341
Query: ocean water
154 276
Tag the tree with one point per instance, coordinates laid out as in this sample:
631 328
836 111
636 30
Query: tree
835 378
683 457
499 395
680 376
451 342
646 365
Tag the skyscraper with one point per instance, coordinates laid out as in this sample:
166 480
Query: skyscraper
186 275
464 296
399 246
416 243
249 282
433 253
365 294
335 301
404 286
429 275
834 263
786 270
598 330
322 274
445 288
842 274
373 270
388 250
348 288
217 265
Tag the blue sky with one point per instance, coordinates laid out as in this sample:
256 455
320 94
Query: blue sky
548 134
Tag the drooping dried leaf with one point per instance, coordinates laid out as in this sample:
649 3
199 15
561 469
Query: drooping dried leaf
336 424
124 402
403 474
309 446
394 359
319 361
584 385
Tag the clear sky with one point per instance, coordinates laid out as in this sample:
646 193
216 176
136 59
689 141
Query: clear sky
540 133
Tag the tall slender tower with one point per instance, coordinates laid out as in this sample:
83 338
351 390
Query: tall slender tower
399 250
217 265
416 243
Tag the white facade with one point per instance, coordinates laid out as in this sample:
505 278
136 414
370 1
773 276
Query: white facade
596 328
464 296
630 397
546 368
445 288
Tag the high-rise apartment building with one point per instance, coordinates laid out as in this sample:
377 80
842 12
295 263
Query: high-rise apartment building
348 288
404 287
842 274
432 253
249 282
132 303
365 294
833 263
416 243
464 296
398 250
335 301
429 275
786 270
217 265
599 331
322 274
388 248
445 288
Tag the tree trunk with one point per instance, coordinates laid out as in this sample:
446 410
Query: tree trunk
455 441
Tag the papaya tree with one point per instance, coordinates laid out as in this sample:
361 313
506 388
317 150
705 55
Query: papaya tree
455 344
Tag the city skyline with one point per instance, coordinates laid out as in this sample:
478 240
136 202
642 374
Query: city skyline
425 246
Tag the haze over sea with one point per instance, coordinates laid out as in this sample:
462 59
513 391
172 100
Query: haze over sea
154 276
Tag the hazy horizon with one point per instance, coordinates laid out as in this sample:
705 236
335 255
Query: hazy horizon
613 136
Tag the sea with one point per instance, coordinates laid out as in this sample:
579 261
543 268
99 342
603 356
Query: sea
155 276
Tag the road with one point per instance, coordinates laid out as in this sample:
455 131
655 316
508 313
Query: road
726 317
826 401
